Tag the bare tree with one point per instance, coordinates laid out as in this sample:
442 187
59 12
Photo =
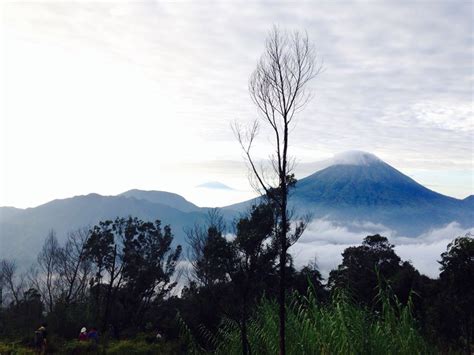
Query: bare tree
46 278
75 269
13 283
278 87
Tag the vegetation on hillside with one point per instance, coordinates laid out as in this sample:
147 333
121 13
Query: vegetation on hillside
120 276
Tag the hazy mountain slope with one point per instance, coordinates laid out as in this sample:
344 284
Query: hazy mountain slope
375 185
7 212
164 198
469 201
23 233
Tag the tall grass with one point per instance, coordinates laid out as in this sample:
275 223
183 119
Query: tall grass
340 327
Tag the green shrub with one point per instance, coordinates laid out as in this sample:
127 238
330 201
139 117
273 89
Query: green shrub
141 347
340 327
14 349
79 347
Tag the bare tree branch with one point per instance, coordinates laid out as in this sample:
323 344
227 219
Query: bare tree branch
278 87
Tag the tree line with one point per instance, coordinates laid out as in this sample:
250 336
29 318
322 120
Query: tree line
123 276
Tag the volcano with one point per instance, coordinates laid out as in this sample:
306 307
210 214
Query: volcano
357 187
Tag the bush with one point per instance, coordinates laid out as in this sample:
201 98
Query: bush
14 349
124 347
340 327
79 347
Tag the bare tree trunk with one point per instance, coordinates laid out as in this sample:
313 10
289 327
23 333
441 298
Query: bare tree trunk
283 251
278 89
281 305
109 292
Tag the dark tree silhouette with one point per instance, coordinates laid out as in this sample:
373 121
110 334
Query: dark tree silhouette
149 265
278 87
231 274
209 253
363 267
104 249
138 263
309 279
455 304
255 258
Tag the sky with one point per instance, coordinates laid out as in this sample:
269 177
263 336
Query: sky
106 97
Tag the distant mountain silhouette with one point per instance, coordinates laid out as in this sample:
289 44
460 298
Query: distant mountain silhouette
354 187
164 198
7 212
22 232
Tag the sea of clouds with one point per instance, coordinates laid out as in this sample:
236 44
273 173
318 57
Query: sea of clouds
324 241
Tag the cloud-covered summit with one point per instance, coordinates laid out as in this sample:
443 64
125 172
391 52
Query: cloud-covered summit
355 157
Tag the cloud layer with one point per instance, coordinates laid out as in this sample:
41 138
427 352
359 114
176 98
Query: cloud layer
324 241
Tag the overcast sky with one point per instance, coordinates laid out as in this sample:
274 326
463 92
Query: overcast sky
106 97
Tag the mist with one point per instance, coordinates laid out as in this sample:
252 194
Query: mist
324 241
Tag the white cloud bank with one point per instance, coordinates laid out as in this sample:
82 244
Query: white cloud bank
326 240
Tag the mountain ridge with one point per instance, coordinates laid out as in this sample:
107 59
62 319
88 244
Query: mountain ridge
356 187
163 197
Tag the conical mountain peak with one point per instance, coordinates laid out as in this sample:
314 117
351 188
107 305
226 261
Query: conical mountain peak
356 179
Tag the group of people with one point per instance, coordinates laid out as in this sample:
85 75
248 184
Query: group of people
41 337
92 335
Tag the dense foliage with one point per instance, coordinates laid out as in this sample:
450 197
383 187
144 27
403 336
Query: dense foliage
121 276
338 327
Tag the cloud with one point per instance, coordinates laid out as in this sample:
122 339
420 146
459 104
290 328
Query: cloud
450 115
171 76
324 241
215 185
